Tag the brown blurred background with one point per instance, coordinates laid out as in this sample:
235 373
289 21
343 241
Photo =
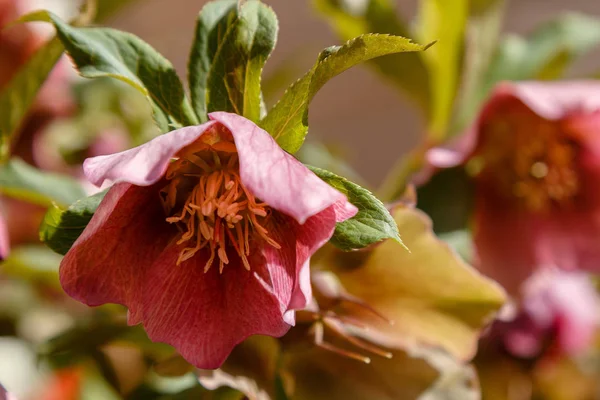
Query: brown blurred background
372 122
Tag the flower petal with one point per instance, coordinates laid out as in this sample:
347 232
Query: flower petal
275 176
552 101
502 236
204 315
306 239
107 262
566 301
143 165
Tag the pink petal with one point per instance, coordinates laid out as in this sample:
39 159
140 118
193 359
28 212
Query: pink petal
306 239
567 301
275 176
551 100
204 315
143 165
502 236
107 262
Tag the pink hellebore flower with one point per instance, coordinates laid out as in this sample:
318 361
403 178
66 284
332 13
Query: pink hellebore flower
559 308
205 236
535 155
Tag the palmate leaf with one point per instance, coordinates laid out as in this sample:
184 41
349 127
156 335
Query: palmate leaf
105 52
233 82
287 121
373 222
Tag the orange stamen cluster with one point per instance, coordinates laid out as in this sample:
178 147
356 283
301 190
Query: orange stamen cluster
530 158
207 200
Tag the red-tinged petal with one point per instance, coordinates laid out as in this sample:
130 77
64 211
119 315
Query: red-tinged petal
552 101
143 165
107 262
205 315
275 176
512 243
305 239
502 236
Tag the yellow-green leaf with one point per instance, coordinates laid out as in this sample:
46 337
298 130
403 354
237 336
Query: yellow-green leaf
432 296
287 121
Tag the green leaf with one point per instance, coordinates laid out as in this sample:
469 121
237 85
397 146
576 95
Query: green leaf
546 53
61 227
22 181
105 52
350 19
213 22
234 77
444 21
373 222
19 94
287 121
33 263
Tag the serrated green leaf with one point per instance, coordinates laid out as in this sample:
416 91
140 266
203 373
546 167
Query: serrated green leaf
22 181
33 263
213 22
233 82
61 227
287 121
350 19
105 52
444 21
18 95
373 222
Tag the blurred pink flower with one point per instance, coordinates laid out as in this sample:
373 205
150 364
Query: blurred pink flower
534 153
559 309
184 242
